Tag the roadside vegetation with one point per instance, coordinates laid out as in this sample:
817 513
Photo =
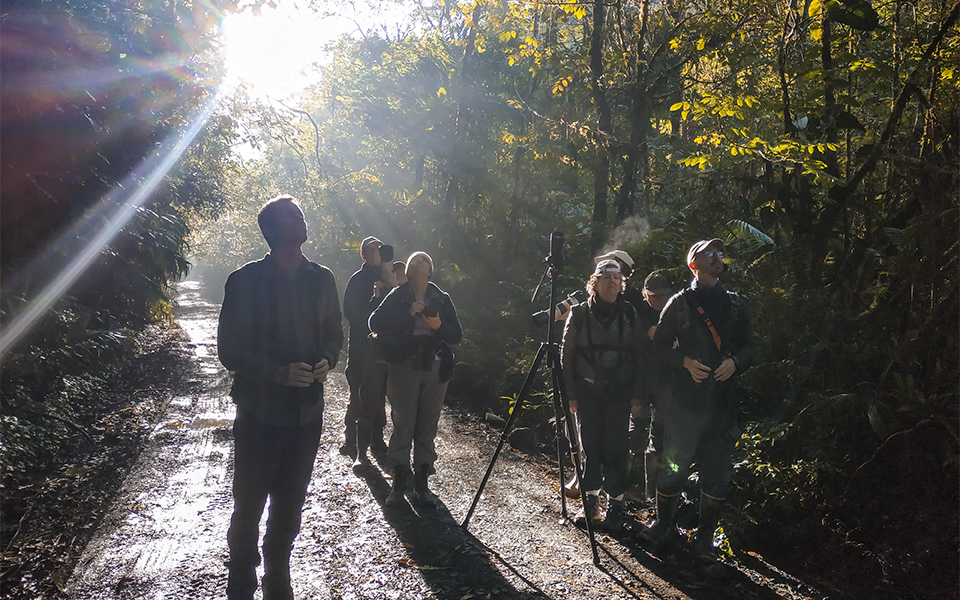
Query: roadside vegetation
819 139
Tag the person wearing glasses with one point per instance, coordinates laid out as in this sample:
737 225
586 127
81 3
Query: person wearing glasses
704 338
601 358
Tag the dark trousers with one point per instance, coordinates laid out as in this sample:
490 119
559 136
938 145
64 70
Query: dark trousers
372 416
274 462
702 429
359 357
604 429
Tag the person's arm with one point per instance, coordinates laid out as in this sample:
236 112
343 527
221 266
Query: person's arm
332 333
640 347
745 353
568 356
358 299
666 334
236 346
449 329
391 318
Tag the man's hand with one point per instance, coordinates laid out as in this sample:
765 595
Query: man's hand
378 287
320 370
698 370
573 407
432 322
637 408
295 374
416 308
726 370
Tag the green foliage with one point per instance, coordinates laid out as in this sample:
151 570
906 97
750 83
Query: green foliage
818 140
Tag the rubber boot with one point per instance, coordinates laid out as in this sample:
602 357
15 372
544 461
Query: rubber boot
241 582
590 510
421 494
664 525
276 579
377 445
613 521
396 497
362 461
349 447
710 509
651 462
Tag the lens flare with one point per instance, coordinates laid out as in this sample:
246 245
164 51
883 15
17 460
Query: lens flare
113 211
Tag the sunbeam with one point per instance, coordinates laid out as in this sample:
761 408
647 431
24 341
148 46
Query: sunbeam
114 211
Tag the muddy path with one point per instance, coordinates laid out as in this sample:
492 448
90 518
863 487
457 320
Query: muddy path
165 536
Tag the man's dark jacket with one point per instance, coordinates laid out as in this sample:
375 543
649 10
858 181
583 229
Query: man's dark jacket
269 320
682 332
359 301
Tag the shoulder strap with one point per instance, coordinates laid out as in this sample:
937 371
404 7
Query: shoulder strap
694 303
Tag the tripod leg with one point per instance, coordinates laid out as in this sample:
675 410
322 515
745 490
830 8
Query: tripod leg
517 405
560 386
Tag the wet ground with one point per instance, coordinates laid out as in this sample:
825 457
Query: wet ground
165 534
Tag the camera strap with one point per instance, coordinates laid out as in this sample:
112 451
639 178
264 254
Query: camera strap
692 301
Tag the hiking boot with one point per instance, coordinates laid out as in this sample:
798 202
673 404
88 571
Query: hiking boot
613 521
396 497
421 494
377 445
590 509
710 509
276 586
572 487
664 525
241 582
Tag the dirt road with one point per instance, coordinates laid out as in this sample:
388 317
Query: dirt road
165 535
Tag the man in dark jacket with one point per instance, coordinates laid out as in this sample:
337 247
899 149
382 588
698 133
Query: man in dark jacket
363 293
645 432
280 333
704 337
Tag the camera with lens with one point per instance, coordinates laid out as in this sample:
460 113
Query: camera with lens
541 318
430 311
386 254
311 394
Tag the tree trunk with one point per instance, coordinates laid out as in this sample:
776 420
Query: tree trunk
604 125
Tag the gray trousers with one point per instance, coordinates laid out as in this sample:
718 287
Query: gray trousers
416 398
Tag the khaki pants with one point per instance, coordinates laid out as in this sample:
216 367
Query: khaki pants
416 398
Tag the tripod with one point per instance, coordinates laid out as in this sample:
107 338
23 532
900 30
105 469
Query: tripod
551 351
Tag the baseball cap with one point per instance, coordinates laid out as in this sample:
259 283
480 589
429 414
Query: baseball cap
615 255
367 241
607 266
655 283
701 246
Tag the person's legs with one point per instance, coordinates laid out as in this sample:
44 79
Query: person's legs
370 418
432 393
356 354
716 469
403 387
251 466
297 451
590 416
616 418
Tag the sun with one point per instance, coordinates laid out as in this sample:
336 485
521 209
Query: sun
273 52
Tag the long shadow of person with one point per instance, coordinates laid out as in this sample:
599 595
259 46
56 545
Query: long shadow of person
452 562
698 578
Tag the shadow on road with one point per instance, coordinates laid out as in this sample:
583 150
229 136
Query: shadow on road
452 562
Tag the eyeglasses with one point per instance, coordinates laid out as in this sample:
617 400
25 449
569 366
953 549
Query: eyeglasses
712 253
